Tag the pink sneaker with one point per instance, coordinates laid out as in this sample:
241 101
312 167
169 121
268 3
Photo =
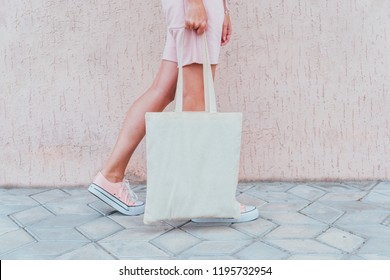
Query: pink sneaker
117 195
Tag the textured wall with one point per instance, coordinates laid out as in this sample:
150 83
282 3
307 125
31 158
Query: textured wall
311 76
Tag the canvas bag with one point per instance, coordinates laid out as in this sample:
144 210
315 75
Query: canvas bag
192 157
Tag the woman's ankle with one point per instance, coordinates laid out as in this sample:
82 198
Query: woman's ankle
113 177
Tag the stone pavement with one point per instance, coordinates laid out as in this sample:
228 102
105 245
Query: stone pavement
311 220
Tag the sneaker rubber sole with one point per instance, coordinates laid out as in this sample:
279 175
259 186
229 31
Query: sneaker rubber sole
115 202
251 214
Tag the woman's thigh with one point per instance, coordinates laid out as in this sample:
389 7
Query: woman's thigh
193 91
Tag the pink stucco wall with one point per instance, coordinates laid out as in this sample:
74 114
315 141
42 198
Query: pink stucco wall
312 78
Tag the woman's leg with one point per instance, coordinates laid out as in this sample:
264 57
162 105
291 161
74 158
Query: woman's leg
193 96
155 99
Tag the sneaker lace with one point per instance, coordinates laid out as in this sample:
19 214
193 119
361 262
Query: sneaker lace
128 191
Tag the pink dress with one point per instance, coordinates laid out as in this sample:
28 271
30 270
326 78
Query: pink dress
192 51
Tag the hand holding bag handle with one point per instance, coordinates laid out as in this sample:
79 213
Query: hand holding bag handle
208 83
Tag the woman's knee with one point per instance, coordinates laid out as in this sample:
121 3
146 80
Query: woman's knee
164 84
163 94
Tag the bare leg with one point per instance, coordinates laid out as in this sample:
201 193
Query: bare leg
193 98
155 99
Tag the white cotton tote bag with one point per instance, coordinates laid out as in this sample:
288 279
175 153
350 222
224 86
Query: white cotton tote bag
192 157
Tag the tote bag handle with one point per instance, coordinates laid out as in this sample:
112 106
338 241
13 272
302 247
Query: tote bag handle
209 91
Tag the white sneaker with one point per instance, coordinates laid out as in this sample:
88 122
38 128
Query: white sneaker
248 213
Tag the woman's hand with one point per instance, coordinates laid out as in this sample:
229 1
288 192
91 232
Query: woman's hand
226 30
195 16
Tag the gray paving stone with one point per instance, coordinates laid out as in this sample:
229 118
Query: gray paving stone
261 251
32 215
318 257
7 225
250 200
362 185
342 240
296 231
90 251
288 218
273 186
4 230
383 188
255 228
209 248
99 228
276 196
44 250
347 206
19 191
8 199
306 192
149 258
70 220
133 221
56 233
343 196
303 246
358 209
387 221
365 217
375 256
133 250
79 191
137 221
6 210
376 248
333 186
175 241
201 257
102 208
283 206
16 256
322 213
13 240
371 231
214 232
354 257
243 187
141 234
176 223
378 199
67 207
49 195
79 196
